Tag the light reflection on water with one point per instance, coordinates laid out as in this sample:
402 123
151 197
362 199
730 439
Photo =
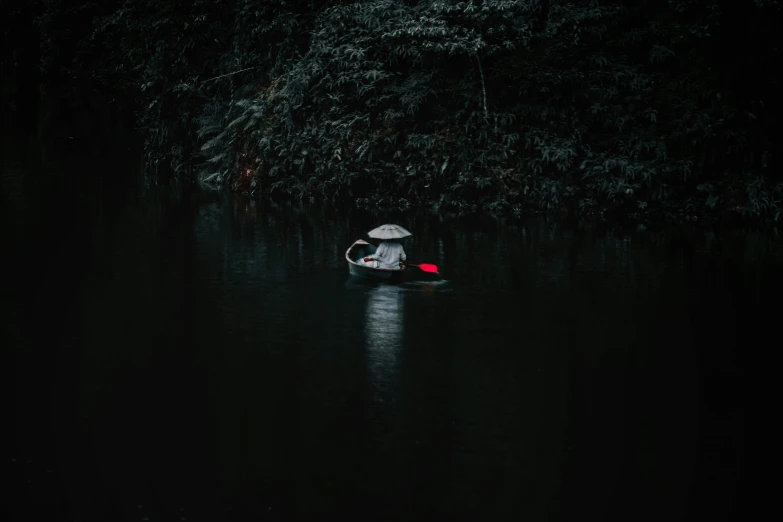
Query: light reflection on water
383 330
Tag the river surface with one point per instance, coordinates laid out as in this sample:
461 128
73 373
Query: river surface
201 358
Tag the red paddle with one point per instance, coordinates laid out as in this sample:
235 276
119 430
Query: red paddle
433 269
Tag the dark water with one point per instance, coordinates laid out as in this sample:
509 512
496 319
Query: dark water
204 359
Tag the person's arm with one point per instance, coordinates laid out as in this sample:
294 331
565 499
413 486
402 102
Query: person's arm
378 253
403 258
382 252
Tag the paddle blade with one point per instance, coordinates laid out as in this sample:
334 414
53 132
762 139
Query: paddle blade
433 269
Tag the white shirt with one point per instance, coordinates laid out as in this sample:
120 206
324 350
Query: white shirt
389 255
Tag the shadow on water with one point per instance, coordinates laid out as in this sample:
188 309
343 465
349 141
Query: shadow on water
363 283
211 358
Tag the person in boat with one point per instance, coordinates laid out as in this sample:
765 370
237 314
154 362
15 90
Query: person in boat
389 255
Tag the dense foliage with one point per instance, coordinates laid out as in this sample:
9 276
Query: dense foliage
651 108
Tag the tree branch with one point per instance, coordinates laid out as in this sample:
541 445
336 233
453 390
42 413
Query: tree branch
229 74
483 88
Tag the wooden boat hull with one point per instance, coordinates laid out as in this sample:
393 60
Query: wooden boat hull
361 249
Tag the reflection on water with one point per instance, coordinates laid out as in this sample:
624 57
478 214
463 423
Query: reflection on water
383 341
384 321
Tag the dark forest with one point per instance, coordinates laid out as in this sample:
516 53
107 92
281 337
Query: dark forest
649 110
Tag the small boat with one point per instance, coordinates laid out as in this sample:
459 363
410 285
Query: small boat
362 248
